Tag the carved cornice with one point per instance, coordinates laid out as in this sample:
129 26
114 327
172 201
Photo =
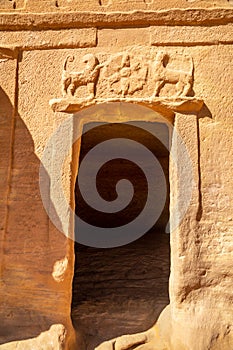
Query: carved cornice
55 20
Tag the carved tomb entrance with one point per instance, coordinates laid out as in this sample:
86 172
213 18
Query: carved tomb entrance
121 290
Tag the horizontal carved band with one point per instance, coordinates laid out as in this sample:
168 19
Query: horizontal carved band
156 79
28 21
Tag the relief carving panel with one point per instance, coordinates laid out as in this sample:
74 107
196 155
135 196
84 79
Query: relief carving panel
158 78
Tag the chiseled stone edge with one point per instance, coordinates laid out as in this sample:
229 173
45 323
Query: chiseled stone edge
49 39
182 104
53 20
191 35
8 52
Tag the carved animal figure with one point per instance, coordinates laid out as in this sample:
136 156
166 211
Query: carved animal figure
162 74
87 77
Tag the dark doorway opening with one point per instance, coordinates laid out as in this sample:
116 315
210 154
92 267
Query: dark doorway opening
121 290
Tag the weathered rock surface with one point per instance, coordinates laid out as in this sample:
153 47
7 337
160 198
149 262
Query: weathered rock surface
120 290
174 57
54 338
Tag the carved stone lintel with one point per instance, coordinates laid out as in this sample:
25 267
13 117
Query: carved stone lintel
179 104
157 79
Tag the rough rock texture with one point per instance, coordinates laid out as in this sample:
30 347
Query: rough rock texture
120 290
54 338
175 58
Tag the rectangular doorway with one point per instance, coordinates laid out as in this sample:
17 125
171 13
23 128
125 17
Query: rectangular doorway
121 290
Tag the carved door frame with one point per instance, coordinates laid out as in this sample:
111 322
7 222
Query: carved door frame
186 126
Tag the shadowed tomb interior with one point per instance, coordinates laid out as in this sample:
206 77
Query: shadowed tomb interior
121 290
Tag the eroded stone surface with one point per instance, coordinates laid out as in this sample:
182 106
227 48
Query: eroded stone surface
52 339
36 259
103 5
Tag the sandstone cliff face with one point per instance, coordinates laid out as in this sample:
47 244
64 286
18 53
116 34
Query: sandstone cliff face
170 60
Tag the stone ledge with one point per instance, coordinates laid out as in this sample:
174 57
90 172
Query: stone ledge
29 21
179 104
